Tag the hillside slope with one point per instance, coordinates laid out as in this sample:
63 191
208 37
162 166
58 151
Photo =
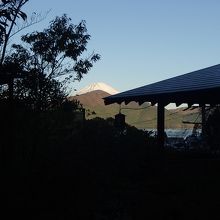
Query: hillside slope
143 116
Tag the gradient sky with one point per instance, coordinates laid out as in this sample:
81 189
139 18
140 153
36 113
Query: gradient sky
142 41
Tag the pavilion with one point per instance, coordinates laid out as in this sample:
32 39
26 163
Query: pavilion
200 87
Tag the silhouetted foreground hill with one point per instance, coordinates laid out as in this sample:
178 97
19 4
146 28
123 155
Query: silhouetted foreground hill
143 116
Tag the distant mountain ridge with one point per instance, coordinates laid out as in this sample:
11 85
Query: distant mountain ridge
144 116
91 99
98 86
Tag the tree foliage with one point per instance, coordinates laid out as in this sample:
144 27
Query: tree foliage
49 59
57 51
10 11
45 61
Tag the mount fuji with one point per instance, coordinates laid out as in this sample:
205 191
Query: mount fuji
98 86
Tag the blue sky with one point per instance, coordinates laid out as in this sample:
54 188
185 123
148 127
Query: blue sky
142 41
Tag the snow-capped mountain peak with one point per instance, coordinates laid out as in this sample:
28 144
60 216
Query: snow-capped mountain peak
98 86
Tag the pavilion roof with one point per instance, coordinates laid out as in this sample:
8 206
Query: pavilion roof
197 87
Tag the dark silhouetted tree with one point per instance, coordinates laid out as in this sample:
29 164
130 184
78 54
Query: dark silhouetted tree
10 11
12 21
50 59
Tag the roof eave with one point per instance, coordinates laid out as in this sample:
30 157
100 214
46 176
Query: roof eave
205 96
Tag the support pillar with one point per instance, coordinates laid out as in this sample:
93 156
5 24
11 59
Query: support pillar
203 119
160 125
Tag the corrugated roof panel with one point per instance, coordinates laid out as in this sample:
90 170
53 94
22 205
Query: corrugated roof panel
207 78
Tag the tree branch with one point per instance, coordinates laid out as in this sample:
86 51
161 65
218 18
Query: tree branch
32 22
7 35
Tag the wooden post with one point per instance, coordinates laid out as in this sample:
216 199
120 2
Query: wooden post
203 119
160 125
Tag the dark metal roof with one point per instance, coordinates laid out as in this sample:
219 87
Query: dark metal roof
201 86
